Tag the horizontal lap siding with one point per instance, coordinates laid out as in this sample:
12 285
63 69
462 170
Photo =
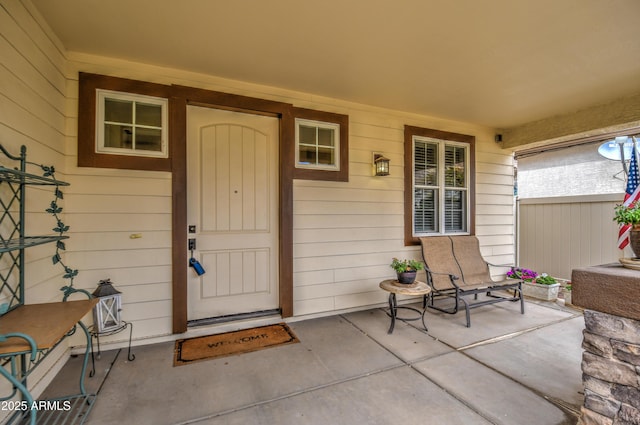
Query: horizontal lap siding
495 203
32 113
345 233
122 231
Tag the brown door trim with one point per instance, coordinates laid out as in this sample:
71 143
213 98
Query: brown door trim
181 97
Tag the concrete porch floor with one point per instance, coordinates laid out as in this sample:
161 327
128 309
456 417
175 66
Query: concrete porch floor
507 368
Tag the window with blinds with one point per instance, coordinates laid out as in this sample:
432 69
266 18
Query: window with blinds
440 186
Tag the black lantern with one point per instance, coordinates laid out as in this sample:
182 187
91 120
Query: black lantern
381 165
106 314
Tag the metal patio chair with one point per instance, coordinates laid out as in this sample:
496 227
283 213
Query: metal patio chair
456 270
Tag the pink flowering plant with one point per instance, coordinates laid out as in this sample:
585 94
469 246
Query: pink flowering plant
531 276
520 273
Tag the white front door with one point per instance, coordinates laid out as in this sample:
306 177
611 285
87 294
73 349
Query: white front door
232 200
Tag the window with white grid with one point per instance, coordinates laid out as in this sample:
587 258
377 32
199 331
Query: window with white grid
440 186
317 145
131 124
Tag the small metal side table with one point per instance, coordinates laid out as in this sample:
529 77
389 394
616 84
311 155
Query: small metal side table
416 288
95 334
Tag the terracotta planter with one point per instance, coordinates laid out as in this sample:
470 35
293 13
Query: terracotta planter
407 277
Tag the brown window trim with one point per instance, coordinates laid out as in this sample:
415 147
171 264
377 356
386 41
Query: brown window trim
341 175
409 132
179 97
87 155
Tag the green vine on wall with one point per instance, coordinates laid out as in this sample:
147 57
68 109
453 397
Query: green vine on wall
60 229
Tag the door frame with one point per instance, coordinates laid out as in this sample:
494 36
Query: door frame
181 97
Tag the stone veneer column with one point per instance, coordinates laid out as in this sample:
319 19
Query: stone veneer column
611 370
611 358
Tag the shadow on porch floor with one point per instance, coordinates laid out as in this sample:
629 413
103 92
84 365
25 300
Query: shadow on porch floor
507 368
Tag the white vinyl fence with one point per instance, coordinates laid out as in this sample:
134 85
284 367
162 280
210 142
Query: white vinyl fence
557 235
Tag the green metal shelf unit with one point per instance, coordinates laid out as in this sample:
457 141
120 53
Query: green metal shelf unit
29 332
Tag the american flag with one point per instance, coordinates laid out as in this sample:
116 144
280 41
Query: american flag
631 195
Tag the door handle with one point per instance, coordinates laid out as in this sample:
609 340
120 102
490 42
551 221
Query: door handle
192 261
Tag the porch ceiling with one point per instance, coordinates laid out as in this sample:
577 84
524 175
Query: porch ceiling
499 63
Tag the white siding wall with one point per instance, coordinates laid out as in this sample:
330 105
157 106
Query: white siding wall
344 233
33 113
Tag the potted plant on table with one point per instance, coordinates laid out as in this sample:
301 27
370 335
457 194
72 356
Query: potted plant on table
406 269
630 215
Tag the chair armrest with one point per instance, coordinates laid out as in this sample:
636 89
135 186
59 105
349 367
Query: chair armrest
451 276
500 265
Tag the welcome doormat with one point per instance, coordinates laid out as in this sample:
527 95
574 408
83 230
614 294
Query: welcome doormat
226 344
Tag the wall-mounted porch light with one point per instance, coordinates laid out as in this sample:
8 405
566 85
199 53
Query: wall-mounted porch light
380 164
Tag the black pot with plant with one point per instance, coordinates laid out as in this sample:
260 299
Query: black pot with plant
406 270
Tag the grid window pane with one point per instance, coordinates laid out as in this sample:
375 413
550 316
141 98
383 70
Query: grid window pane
326 156
454 162
425 210
118 136
307 135
426 164
455 211
149 139
307 155
149 115
118 111
326 137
